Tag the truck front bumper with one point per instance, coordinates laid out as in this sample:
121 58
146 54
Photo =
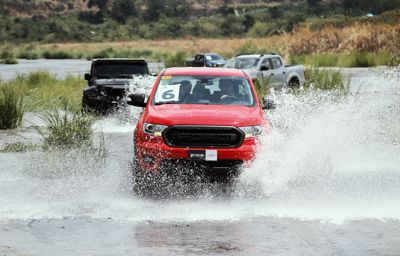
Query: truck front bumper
154 155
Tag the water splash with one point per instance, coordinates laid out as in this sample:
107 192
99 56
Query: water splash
328 157
333 157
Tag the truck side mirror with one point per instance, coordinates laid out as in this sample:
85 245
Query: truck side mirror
88 76
264 67
268 104
137 100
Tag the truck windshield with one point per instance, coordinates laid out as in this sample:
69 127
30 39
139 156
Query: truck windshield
243 63
214 57
118 69
218 90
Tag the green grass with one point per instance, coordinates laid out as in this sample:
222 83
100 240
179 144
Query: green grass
176 60
10 61
11 107
326 80
18 147
123 52
43 90
65 129
261 88
59 54
361 59
7 55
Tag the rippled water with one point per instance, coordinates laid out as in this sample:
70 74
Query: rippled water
326 182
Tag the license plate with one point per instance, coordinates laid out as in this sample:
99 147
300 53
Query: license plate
208 155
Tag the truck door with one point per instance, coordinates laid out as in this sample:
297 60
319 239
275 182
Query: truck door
265 71
277 75
199 60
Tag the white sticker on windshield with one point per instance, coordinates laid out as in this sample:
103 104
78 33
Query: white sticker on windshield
168 92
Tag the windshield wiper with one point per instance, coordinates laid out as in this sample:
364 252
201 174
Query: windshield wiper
165 102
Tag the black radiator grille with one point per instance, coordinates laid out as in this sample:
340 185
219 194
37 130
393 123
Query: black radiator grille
203 136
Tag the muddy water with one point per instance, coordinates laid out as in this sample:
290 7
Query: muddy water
326 182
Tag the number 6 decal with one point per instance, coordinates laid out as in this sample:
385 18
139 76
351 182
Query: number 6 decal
168 95
168 92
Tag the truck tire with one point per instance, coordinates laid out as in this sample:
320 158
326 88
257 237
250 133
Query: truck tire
145 184
294 83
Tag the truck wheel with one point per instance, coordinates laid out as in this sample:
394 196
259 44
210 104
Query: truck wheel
294 83
138 179
145 184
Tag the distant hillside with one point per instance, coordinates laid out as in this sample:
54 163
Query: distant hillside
29 8
54 21
46 8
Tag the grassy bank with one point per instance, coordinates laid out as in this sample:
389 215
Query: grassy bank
42 90
359 45
321 79
344 60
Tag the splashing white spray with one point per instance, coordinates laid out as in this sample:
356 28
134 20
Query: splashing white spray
333 157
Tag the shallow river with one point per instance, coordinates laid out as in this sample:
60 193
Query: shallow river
326 182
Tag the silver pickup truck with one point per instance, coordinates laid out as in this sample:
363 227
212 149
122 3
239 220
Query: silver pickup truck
269 68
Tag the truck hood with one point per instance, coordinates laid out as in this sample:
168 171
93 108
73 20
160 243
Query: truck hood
196 114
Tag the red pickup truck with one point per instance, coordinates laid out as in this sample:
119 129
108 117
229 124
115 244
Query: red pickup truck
197 118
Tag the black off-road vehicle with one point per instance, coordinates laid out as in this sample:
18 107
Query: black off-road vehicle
109 81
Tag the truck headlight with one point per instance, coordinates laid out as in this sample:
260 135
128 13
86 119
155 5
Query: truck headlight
252 131
153 129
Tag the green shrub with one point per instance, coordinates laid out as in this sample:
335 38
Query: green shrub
363 59
11 107
176 60
18 147
8 56
10 61
325 80
261 29
261 88
104 53
43 90
29 54
65 129
58 54
40 78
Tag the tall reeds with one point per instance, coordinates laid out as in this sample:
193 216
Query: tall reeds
11 107
43 90
65 129
322 79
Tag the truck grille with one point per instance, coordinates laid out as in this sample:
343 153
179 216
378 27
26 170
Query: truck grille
203 136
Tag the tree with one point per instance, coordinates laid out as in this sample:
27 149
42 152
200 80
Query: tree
249 21
275 12
123 9
313 3
101 4
168 8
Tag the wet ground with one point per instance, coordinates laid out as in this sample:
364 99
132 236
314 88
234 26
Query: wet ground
326 182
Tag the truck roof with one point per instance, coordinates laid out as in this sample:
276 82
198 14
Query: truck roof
204 71
207 53
141 61
245 55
